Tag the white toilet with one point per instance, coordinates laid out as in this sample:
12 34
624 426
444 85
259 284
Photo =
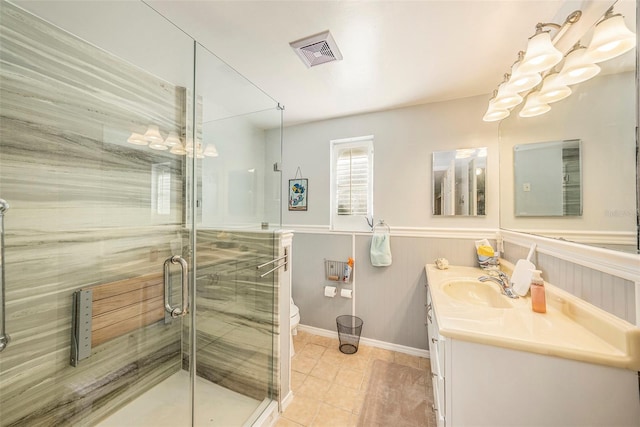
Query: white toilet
294 320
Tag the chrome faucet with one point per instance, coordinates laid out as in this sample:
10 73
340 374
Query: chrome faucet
501 279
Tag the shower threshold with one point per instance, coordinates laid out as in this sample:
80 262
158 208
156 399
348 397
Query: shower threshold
167 404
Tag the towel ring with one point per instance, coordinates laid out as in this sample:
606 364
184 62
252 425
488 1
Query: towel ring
382 224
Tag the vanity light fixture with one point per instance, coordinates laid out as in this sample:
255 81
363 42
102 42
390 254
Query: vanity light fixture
506 98
211 151
178 149
553 89
493 113
153 134
173 139
137 139
528 71
521 81
611 38
541 54
156 141
578 66
534 106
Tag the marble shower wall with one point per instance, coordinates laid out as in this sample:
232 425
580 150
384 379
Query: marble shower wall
84 210
237 311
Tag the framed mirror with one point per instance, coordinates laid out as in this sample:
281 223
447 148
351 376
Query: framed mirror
547 179
459 182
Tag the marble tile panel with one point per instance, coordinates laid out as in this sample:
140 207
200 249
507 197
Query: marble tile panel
81 214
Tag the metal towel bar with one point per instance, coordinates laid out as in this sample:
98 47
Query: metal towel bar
4 337
272 261
284 264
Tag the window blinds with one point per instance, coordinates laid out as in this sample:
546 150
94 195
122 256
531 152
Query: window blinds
352 181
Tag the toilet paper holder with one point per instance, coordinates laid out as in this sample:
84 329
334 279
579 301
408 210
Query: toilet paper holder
330 291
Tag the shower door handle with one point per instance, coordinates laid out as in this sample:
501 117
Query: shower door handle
184 308
4 337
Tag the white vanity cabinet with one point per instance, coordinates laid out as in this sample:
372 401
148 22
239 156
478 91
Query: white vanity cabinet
477 384
436 352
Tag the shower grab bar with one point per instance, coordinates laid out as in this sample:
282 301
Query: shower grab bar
184 308
284 264
272 261
4 336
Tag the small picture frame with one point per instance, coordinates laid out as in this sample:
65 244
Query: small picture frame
298 194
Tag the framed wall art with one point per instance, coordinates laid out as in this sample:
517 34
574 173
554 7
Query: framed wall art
298 192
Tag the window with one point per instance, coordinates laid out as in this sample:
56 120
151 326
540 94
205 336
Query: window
161 189
351 183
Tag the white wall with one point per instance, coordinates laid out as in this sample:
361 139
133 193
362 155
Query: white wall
390 300
404 140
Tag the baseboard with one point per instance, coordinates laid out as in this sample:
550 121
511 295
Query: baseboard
368 341
286 401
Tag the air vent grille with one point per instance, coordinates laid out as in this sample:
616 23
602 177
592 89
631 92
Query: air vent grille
317 49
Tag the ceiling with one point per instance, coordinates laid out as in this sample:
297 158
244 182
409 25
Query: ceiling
396 53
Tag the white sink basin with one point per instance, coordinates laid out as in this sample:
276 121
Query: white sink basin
475 311
474 292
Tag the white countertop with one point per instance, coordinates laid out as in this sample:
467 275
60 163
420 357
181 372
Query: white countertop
571 328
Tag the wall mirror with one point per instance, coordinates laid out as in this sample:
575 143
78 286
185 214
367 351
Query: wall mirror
601 113
547 177
459 182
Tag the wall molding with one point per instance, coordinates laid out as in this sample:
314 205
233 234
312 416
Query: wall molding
433 232
368 341
593 237
619 264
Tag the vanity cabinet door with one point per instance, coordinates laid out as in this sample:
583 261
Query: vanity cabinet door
436 355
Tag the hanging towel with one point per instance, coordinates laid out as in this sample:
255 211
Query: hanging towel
380 250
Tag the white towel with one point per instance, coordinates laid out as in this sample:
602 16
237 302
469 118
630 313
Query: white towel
380 250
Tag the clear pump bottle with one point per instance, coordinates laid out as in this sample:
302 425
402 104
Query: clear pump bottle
538 300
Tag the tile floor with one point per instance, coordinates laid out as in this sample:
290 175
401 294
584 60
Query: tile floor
329 386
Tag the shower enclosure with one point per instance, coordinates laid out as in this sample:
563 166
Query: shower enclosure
139 196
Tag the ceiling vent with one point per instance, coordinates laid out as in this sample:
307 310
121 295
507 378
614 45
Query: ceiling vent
317 49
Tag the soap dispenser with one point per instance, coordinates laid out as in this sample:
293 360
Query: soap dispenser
538 300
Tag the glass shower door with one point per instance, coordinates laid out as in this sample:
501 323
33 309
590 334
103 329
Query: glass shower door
106 187
236 202
95 209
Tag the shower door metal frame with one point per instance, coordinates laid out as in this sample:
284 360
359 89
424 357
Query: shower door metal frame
4 336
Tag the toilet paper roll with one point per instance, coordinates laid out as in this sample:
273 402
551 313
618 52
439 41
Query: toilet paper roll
346 293
330 291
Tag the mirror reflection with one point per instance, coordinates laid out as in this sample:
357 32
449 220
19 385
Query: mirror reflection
547 179
459 182
602 114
